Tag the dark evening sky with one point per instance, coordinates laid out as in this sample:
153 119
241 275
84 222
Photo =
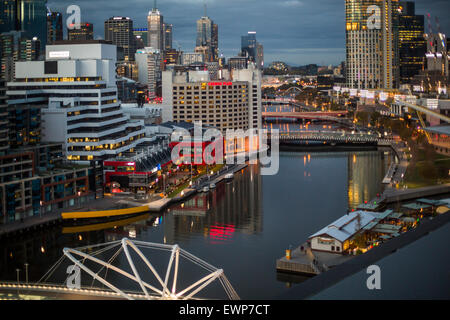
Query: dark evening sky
296 31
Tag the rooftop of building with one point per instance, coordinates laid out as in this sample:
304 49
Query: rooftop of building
347 226
66 42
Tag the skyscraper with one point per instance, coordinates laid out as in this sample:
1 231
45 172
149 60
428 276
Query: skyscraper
412 43
28 16
260 56
141 37
168 36
208 36
248 45
54 27
252 49
119 30
86 32
155 29
372 43
149 66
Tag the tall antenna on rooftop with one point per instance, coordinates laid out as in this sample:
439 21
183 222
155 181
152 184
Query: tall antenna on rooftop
205 7
154 5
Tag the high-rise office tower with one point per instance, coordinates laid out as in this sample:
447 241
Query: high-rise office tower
15 47
248 45
4 133
149 66
86 32
372 43
437 54
29 49
155 29
252 49
8 16
119 30
8 53
260 56
412 43
208 37
27 16
141 37
54 27
215 42
168 36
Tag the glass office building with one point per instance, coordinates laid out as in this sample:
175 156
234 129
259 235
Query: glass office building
28 16
372 43
412 43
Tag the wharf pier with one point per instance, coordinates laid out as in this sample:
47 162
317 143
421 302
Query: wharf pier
392 196
304 261
357 263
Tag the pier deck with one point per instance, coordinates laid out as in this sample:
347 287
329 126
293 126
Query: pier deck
310 262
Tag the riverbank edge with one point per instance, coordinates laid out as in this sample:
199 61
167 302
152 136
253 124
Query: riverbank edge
338 273
52 219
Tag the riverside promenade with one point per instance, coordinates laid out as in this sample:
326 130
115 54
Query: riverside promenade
114 203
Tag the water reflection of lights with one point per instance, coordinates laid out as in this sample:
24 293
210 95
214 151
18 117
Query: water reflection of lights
221 233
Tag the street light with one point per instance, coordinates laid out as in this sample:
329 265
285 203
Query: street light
26 273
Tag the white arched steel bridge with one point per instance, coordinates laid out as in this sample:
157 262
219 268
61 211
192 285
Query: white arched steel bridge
152 284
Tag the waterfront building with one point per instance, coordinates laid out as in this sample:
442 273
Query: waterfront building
149 67
232 102
75 89
440 138
155 29
85 32
119 30
26 190
372 44
336 237
412 43
54 27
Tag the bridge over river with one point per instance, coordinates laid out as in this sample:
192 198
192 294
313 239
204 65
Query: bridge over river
336 137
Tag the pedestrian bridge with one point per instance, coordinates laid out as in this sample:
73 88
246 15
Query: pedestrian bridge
88 265
340 137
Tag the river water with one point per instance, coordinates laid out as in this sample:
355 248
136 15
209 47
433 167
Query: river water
241 227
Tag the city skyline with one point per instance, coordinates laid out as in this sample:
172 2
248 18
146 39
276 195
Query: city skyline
302 41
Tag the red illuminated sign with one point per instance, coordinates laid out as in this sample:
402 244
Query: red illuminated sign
215 84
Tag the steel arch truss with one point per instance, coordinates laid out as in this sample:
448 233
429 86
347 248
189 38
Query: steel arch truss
150 292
